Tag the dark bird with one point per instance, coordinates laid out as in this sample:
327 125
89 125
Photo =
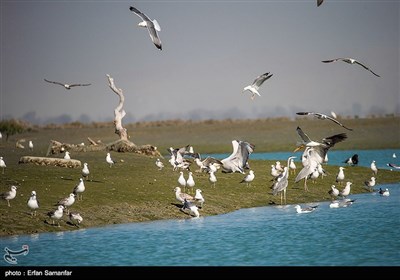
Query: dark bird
67 86
152 26
353 160
350 61
256 84
323 117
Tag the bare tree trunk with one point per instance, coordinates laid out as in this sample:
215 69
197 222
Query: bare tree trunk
119 113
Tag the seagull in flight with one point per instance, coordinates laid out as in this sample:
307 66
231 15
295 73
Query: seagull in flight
67 86
253 88
350 61
323 117
238 160
152 26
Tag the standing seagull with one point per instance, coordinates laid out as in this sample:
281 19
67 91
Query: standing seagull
152 26
67 86
248 178
256 84
159 164
109 160
374 168
350 61
9 195
30 145
85 171
33 203
2 165
67 155
79 189
323 117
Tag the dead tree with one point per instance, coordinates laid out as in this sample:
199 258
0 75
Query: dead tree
119 112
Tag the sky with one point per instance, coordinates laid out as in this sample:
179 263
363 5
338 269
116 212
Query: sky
210 51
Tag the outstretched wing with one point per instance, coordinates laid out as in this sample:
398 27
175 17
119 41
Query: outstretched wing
79 85
365 67
52 82
140 14
261 79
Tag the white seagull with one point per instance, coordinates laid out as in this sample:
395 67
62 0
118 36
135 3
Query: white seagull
253 88
85 171
350 61
30 145
159 164
395 166
56 214
199 198
67 86
75 218
109 160
180 196
212 178
152 26
346 191
67 201
33 203
194 210
374 168
238 160
248 178
67 155
79 189
309 209
369 184
323 117
190 181
9 194
333 192
384 192
2 164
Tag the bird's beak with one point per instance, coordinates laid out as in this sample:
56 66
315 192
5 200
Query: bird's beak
298 148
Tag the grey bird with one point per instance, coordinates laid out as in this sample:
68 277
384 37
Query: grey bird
323 117
152 26
67 86
253 88
350 60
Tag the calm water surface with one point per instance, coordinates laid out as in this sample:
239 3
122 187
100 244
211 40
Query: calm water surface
364 234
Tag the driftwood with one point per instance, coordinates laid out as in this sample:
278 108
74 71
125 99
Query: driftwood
119 112
71 163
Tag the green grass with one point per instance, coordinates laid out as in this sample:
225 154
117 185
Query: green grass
134 190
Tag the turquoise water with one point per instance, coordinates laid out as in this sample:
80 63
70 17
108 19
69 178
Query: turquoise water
364 234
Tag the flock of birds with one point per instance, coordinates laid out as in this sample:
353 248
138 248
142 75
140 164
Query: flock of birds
63 205
314 155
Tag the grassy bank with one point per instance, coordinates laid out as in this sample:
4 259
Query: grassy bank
134 190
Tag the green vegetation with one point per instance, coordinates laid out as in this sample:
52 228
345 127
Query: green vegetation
11 127
135 190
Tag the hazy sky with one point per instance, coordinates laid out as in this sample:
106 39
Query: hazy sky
211 51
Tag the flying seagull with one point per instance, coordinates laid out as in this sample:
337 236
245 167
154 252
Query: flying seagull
350 61
323 117
67 86
253 88
238 160
152 26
